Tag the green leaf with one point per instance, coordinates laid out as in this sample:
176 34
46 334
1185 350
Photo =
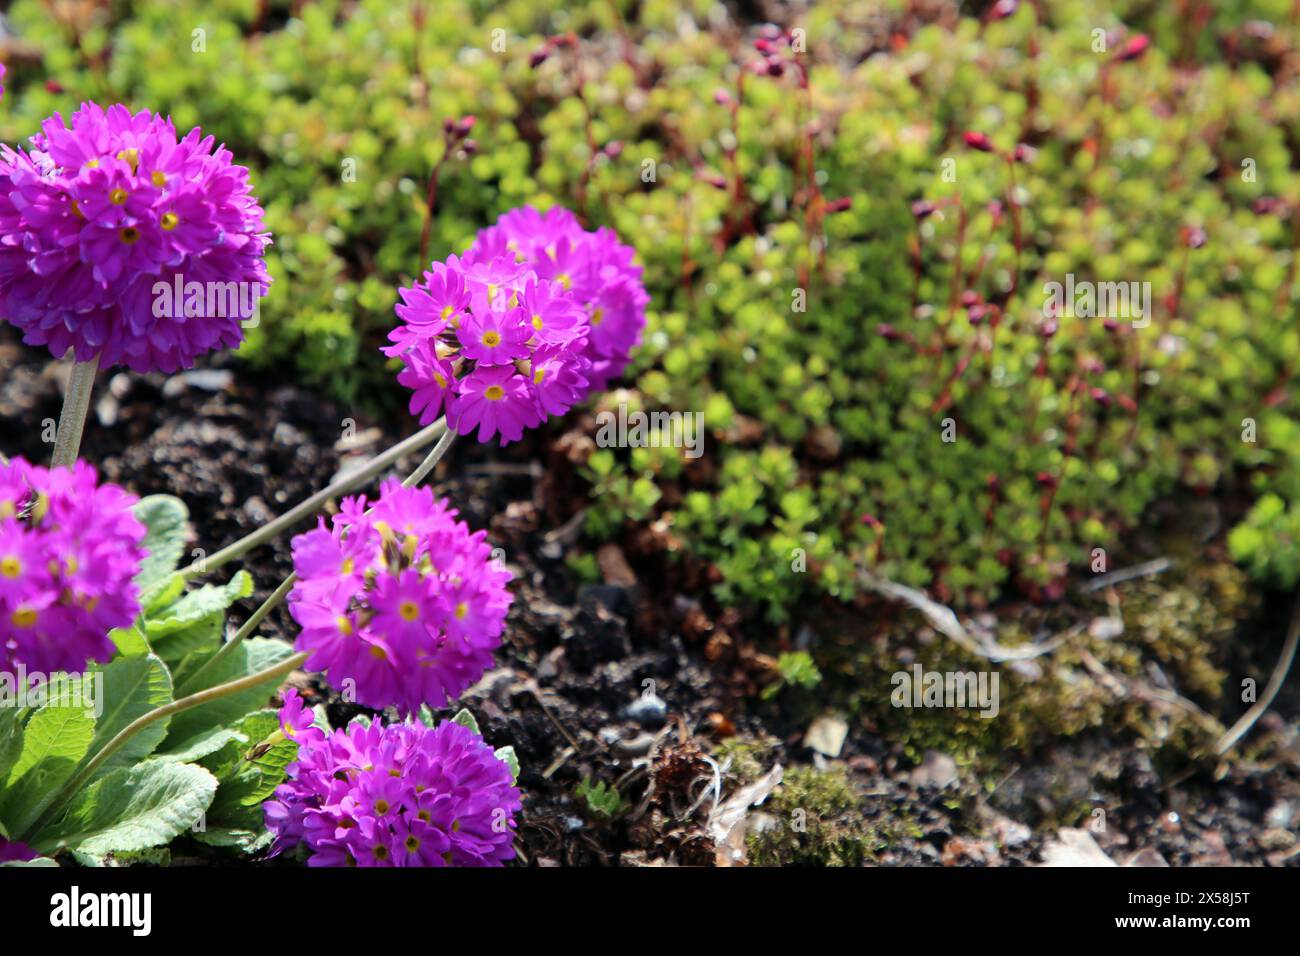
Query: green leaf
133 686
167 522
133 808
198 605
252 655
130 641
202 635
41 861
56 739
162 594
507 756
249 771
11 739
466 719
199 747
245 840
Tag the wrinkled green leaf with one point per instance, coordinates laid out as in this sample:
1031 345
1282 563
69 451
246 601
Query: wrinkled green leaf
167 522
133 808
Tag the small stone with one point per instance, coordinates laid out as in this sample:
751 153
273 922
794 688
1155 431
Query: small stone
647 710
1147 856
1279 814
826 735
936 770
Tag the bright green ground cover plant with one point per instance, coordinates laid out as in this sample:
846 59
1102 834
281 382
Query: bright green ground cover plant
834 349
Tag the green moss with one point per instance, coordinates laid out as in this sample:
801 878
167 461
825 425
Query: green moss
1183 621
816 819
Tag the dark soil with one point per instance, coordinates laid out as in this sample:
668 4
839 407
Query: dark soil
634 682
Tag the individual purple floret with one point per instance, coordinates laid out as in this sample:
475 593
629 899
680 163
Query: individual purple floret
527 323
398 795
69 549
402 606
119 240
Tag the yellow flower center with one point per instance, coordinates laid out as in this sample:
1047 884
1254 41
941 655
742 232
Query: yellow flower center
537 322
344 626
408 610
447 310
440 379
91 164
425 815
130 235
118 197
348 566
381 852
461 610
76 210
131 156
23 617
169 221
158 178
378 652
412 843
538 376
494 393
381 806
10 567
597 317
565 279
491 339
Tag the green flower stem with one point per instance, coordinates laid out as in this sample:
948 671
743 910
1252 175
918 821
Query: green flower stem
313 504
430 460
72 420
81 778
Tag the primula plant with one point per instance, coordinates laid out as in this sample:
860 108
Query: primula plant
132 716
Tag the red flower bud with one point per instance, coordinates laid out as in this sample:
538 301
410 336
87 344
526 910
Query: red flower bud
1134 48
978 141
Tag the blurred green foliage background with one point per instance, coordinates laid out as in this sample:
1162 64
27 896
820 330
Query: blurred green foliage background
815 418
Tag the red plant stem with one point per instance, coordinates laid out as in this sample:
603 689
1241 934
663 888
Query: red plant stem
1071 436
430 200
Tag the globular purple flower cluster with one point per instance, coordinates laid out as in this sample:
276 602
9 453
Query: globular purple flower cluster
69 549
118 239
533 317
397 795
399 599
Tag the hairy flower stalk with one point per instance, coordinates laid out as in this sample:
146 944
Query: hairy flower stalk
76 404
310 506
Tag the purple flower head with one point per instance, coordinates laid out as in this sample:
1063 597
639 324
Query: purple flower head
119 239
400 603
398 795
530 320
69 549
13 850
